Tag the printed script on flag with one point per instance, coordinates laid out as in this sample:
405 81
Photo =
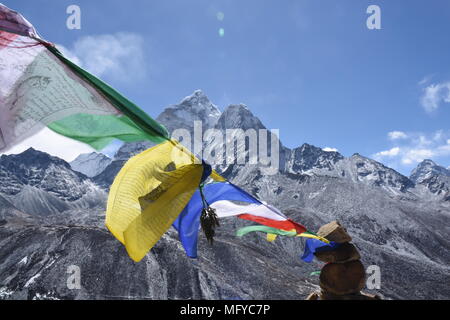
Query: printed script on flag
37 89
40 87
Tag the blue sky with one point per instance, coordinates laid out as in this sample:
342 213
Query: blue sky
310 68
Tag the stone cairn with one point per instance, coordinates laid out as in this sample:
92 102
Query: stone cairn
343 276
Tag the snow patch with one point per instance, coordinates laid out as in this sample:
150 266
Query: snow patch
24 260
31 280
5 293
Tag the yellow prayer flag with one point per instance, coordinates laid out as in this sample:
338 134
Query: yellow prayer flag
149 193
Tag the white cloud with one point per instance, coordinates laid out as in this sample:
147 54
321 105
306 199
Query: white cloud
438 135
394 135
119 56
388 153
69 55
52 143
421 141
434 95
413 148
425 80
328 149
444 149
412 156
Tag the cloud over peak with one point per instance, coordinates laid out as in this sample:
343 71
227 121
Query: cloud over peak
395 135
411 148
388 153
119 56
435 95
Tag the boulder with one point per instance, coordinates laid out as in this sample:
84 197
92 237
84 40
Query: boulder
334 231
313 296
343 278
356 296
344 253
369 296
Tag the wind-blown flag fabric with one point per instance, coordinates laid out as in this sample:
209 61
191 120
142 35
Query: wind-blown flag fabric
315 245
272 233
228 200
40 87
149 193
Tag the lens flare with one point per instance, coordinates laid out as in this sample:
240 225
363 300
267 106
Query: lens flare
220 16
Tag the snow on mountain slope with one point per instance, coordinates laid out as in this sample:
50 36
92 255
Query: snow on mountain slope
433 177
196 107
127 150
184 115
363 169
308 157
40 184
428 168
90 164
403 237
249 143
8 211
106 178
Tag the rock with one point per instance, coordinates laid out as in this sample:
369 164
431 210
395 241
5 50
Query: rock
313 296
346 252
356 296
343 278
333 231
369 296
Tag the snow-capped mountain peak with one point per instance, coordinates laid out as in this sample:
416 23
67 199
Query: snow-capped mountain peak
90 164
375 173
32 157
426 169
433 176
196 107
239 116
308 157
198 102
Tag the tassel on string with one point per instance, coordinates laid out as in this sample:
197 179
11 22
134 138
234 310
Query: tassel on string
208 220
